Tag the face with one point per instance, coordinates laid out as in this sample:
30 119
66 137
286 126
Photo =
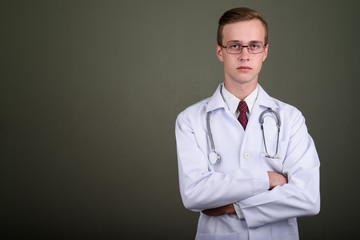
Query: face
242 68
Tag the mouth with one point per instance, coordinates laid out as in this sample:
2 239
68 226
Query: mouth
244 68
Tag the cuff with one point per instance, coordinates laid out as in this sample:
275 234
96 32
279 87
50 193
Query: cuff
238 211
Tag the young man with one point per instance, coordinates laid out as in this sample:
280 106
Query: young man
246 161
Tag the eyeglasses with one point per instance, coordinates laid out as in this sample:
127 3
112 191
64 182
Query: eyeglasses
236 48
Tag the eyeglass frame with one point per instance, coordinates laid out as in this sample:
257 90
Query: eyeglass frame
242 46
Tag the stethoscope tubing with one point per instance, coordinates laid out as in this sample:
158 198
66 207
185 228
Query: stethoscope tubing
214 157
278 123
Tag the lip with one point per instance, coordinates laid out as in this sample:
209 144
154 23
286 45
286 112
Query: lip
244 68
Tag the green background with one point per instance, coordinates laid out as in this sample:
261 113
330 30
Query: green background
89 94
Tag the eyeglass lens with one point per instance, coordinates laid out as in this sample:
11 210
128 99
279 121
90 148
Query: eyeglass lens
253 47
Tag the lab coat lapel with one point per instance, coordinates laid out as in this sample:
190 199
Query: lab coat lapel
263 102
216 101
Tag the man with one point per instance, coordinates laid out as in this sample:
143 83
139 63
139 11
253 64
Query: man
247 181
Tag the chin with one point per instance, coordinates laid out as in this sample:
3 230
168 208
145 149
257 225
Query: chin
245 81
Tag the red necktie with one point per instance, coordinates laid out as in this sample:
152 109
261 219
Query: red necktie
242 116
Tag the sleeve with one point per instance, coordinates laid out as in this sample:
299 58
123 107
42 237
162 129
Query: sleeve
202 188
301 195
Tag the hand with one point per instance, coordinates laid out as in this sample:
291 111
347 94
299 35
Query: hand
276 179
214 212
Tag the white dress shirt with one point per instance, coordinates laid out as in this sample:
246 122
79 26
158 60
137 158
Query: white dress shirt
232 102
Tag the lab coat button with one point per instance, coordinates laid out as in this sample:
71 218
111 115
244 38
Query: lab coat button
247 155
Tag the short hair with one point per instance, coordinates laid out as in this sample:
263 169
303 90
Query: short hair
238 15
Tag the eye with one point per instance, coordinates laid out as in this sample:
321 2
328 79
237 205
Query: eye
234 46
255 46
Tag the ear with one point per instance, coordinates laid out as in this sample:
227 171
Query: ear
219 53
266 52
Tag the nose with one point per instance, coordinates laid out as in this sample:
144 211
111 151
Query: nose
244 55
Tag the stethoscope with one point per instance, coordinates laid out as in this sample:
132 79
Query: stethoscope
214 157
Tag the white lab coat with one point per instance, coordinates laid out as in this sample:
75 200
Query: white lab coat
241 175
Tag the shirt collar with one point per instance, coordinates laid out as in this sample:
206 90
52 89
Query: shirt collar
232 102
217 101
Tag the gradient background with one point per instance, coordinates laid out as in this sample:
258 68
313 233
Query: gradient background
89 94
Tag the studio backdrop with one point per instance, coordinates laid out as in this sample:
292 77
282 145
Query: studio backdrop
89 94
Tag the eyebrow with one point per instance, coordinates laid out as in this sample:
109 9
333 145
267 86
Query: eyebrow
237 41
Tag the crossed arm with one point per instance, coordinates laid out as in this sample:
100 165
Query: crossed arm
203 189
275 179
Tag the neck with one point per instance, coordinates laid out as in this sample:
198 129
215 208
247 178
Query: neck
240 90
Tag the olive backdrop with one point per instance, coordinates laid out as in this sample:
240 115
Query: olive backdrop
89 94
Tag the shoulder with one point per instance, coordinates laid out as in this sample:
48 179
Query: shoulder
291 117
286 108
265 100
194 111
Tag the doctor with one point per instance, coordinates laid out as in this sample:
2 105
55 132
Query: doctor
261 179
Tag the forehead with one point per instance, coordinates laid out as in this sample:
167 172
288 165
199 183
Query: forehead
244 31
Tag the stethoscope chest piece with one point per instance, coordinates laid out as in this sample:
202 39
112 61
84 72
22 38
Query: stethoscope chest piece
214 157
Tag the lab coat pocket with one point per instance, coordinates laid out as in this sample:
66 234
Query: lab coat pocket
219 236
273 160
285 231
